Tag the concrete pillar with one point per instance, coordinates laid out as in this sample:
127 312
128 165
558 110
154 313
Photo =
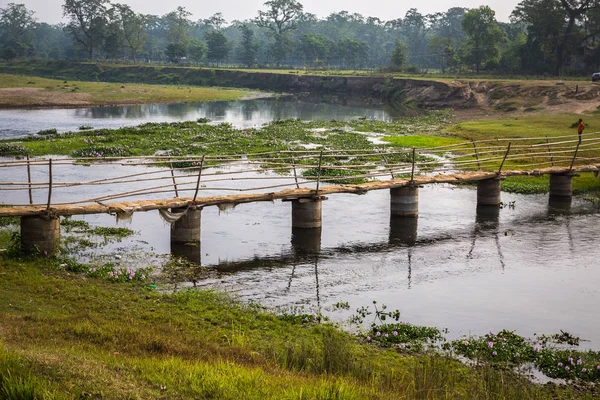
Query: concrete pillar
187 228
306 241
403 230
306 213
561 185
488 192
405 201
40 234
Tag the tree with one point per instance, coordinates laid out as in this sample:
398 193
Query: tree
87 22
175 52
414 29
484 36
17 23
177 24
399 56
218 47
351 53
8 53
216 21
444 50
196 50
280 18
133 29
315 47
248 47
556 26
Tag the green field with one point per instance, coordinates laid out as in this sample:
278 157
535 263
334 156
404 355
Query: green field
42 91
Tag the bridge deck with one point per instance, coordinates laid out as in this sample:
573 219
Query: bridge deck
287 194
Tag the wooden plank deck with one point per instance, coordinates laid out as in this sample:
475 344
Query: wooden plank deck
288 194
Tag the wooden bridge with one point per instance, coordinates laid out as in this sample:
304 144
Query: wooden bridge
40 190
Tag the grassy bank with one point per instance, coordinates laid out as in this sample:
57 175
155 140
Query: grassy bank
28 91
65 336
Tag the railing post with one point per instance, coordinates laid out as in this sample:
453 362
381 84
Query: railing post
412 172
476 155
49 183
199 178
173 177
574 156
504 159
294 168
29 180
550 152
386 162
319 171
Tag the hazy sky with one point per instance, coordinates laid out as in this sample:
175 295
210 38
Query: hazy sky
51 10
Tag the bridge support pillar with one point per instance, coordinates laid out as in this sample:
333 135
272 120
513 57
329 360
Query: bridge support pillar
306 213
405 201
187 228
488 192
40 234
561 185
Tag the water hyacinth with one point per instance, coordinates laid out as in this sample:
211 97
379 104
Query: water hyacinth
491 344
494 353
560 364
567 368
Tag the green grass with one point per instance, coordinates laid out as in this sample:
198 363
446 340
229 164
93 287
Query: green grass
586 184
63 336
60 92
418 141
528 126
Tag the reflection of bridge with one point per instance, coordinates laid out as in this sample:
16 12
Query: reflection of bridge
358 171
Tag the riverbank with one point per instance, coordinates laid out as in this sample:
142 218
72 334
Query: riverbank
481 95
18 91
64 335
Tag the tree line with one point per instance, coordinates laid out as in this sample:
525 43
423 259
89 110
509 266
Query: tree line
553 37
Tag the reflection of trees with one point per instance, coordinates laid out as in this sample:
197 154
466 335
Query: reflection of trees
217 109
249 107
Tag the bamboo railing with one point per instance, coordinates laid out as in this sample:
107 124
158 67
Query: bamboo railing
42 185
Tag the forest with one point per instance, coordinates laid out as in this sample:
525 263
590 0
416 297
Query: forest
543 37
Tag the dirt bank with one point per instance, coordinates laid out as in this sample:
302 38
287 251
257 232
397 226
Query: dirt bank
484 96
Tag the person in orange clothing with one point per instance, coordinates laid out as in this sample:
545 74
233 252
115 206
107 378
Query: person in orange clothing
580 129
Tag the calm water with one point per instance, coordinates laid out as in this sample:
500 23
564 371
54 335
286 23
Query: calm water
243 114
533 268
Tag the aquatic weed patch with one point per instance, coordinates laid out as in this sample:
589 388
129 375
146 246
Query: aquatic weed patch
554 357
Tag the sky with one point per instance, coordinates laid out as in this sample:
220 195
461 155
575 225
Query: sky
51 10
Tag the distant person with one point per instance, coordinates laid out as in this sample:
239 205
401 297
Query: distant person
580 129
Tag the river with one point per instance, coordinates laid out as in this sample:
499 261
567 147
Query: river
241 114
532 267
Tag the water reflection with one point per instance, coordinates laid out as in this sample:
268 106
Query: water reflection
559 205
190 252
241 114
306 241
403 230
